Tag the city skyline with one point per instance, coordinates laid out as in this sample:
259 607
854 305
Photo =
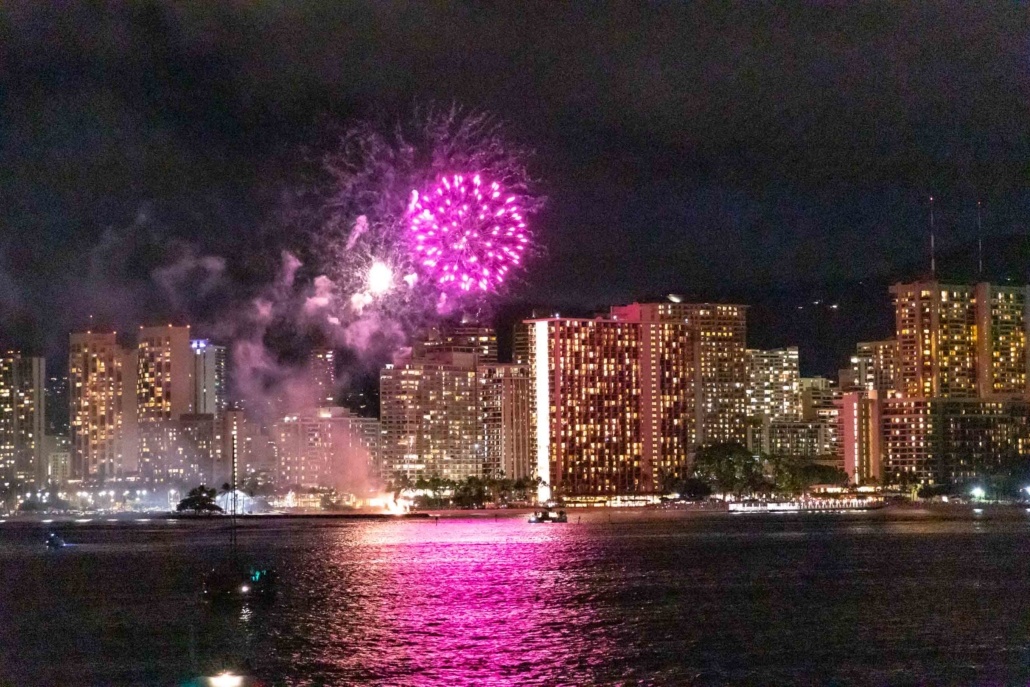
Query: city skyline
644 386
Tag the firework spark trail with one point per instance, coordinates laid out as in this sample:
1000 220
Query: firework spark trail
467 233
384 282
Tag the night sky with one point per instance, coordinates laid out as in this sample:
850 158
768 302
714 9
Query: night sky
778 156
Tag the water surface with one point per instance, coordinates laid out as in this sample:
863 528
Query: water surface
872 599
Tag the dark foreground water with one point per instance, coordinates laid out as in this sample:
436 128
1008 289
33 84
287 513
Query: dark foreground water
874 599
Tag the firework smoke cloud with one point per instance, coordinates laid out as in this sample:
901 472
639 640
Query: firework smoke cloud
423 218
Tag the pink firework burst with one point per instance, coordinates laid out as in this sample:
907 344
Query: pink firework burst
467 233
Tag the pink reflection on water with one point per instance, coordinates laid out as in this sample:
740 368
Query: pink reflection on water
472 602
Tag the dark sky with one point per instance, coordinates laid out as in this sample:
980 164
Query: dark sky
692 147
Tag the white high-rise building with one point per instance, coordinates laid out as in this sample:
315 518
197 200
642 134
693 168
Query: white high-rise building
209 378
774 390
430 420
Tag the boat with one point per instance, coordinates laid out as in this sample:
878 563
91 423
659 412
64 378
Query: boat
232 580
805 506
54 541
547 515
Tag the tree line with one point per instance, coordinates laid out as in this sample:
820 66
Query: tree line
731 469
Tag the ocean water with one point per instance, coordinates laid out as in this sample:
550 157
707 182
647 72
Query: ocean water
848 599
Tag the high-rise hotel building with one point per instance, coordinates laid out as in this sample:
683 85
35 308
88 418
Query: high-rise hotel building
873 368
430 419
505 402
718 333
453 411
1001 331
102 405
960 341
774 387
323 375
326 447
613 401
165 392
463 337
22 418
957 402
210 380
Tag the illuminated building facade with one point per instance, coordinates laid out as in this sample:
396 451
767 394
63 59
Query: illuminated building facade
210 380
961 381
936 334
613 402
522 343
165 391
323 375
820 402
587 407
326 447
808 439
718 334
22 418
774 386
873 368
861 436
101 385
942 441
466 337
234 437
505 397
199 443
431 420
1001 328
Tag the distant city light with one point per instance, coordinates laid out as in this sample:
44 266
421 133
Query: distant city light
977 492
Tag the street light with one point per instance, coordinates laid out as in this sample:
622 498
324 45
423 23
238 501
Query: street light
977 492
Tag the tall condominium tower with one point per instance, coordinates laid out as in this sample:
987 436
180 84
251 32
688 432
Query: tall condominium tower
429 413
164 392
874 367
466 337
505 393
860 436
326 447
323 375
961 341
1001 331
612 402
936 339
22 417
210 382
950 440
774 387
101 385
718 333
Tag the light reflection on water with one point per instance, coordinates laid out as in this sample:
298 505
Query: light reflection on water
462 602
705 601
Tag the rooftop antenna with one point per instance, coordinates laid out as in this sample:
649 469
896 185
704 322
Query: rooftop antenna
979 240
933 248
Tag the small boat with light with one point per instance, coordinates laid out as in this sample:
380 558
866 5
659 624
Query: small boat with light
231 582
547 515
54 541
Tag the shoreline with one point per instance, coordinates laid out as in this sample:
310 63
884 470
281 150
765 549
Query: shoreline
896 511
